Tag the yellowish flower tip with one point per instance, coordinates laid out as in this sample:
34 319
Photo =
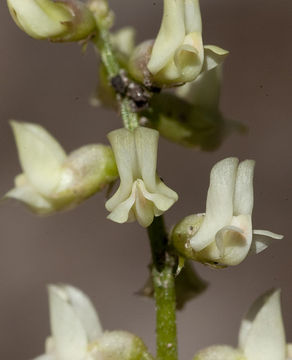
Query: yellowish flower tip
141 194
52 180
223 236
76 331
178 54
53 20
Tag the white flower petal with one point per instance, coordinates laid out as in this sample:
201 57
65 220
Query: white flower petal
219 207
41 156
262 239
69 335
214 56
27 194
193 21
262 335
143 208
146 142
234 241
123 144
85 311
170 36
243 194
122 212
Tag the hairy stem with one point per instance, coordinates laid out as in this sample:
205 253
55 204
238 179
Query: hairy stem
163 268
102 43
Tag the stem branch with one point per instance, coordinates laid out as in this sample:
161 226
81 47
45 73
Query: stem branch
164 288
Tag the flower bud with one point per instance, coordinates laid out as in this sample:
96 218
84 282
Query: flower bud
53 181
60 21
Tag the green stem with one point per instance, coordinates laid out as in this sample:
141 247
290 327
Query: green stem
164 287
102 42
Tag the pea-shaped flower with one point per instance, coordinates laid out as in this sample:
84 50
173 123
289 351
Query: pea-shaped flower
223 235
76 332
141 194
178 54
261 335
51 179
53 20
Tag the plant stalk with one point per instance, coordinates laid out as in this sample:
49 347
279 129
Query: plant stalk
163 273
103 44
164 262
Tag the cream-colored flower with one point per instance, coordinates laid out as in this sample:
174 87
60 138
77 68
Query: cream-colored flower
261 335
178 54
77 333
53 20
224 235
141 195
52 180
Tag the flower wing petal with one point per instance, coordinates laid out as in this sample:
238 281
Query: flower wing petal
170 36
146 142
193 20
262 239
123 144
243 195
214 56
25 193
85 311
69 335
41 156
122 212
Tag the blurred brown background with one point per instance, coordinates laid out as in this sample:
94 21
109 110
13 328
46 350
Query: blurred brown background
50 84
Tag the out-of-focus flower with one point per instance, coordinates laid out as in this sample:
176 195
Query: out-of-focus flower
53 181
223 235
141 195
261 335
77 333
60 20
178 54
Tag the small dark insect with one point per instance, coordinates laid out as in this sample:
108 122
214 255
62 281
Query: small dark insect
138 94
